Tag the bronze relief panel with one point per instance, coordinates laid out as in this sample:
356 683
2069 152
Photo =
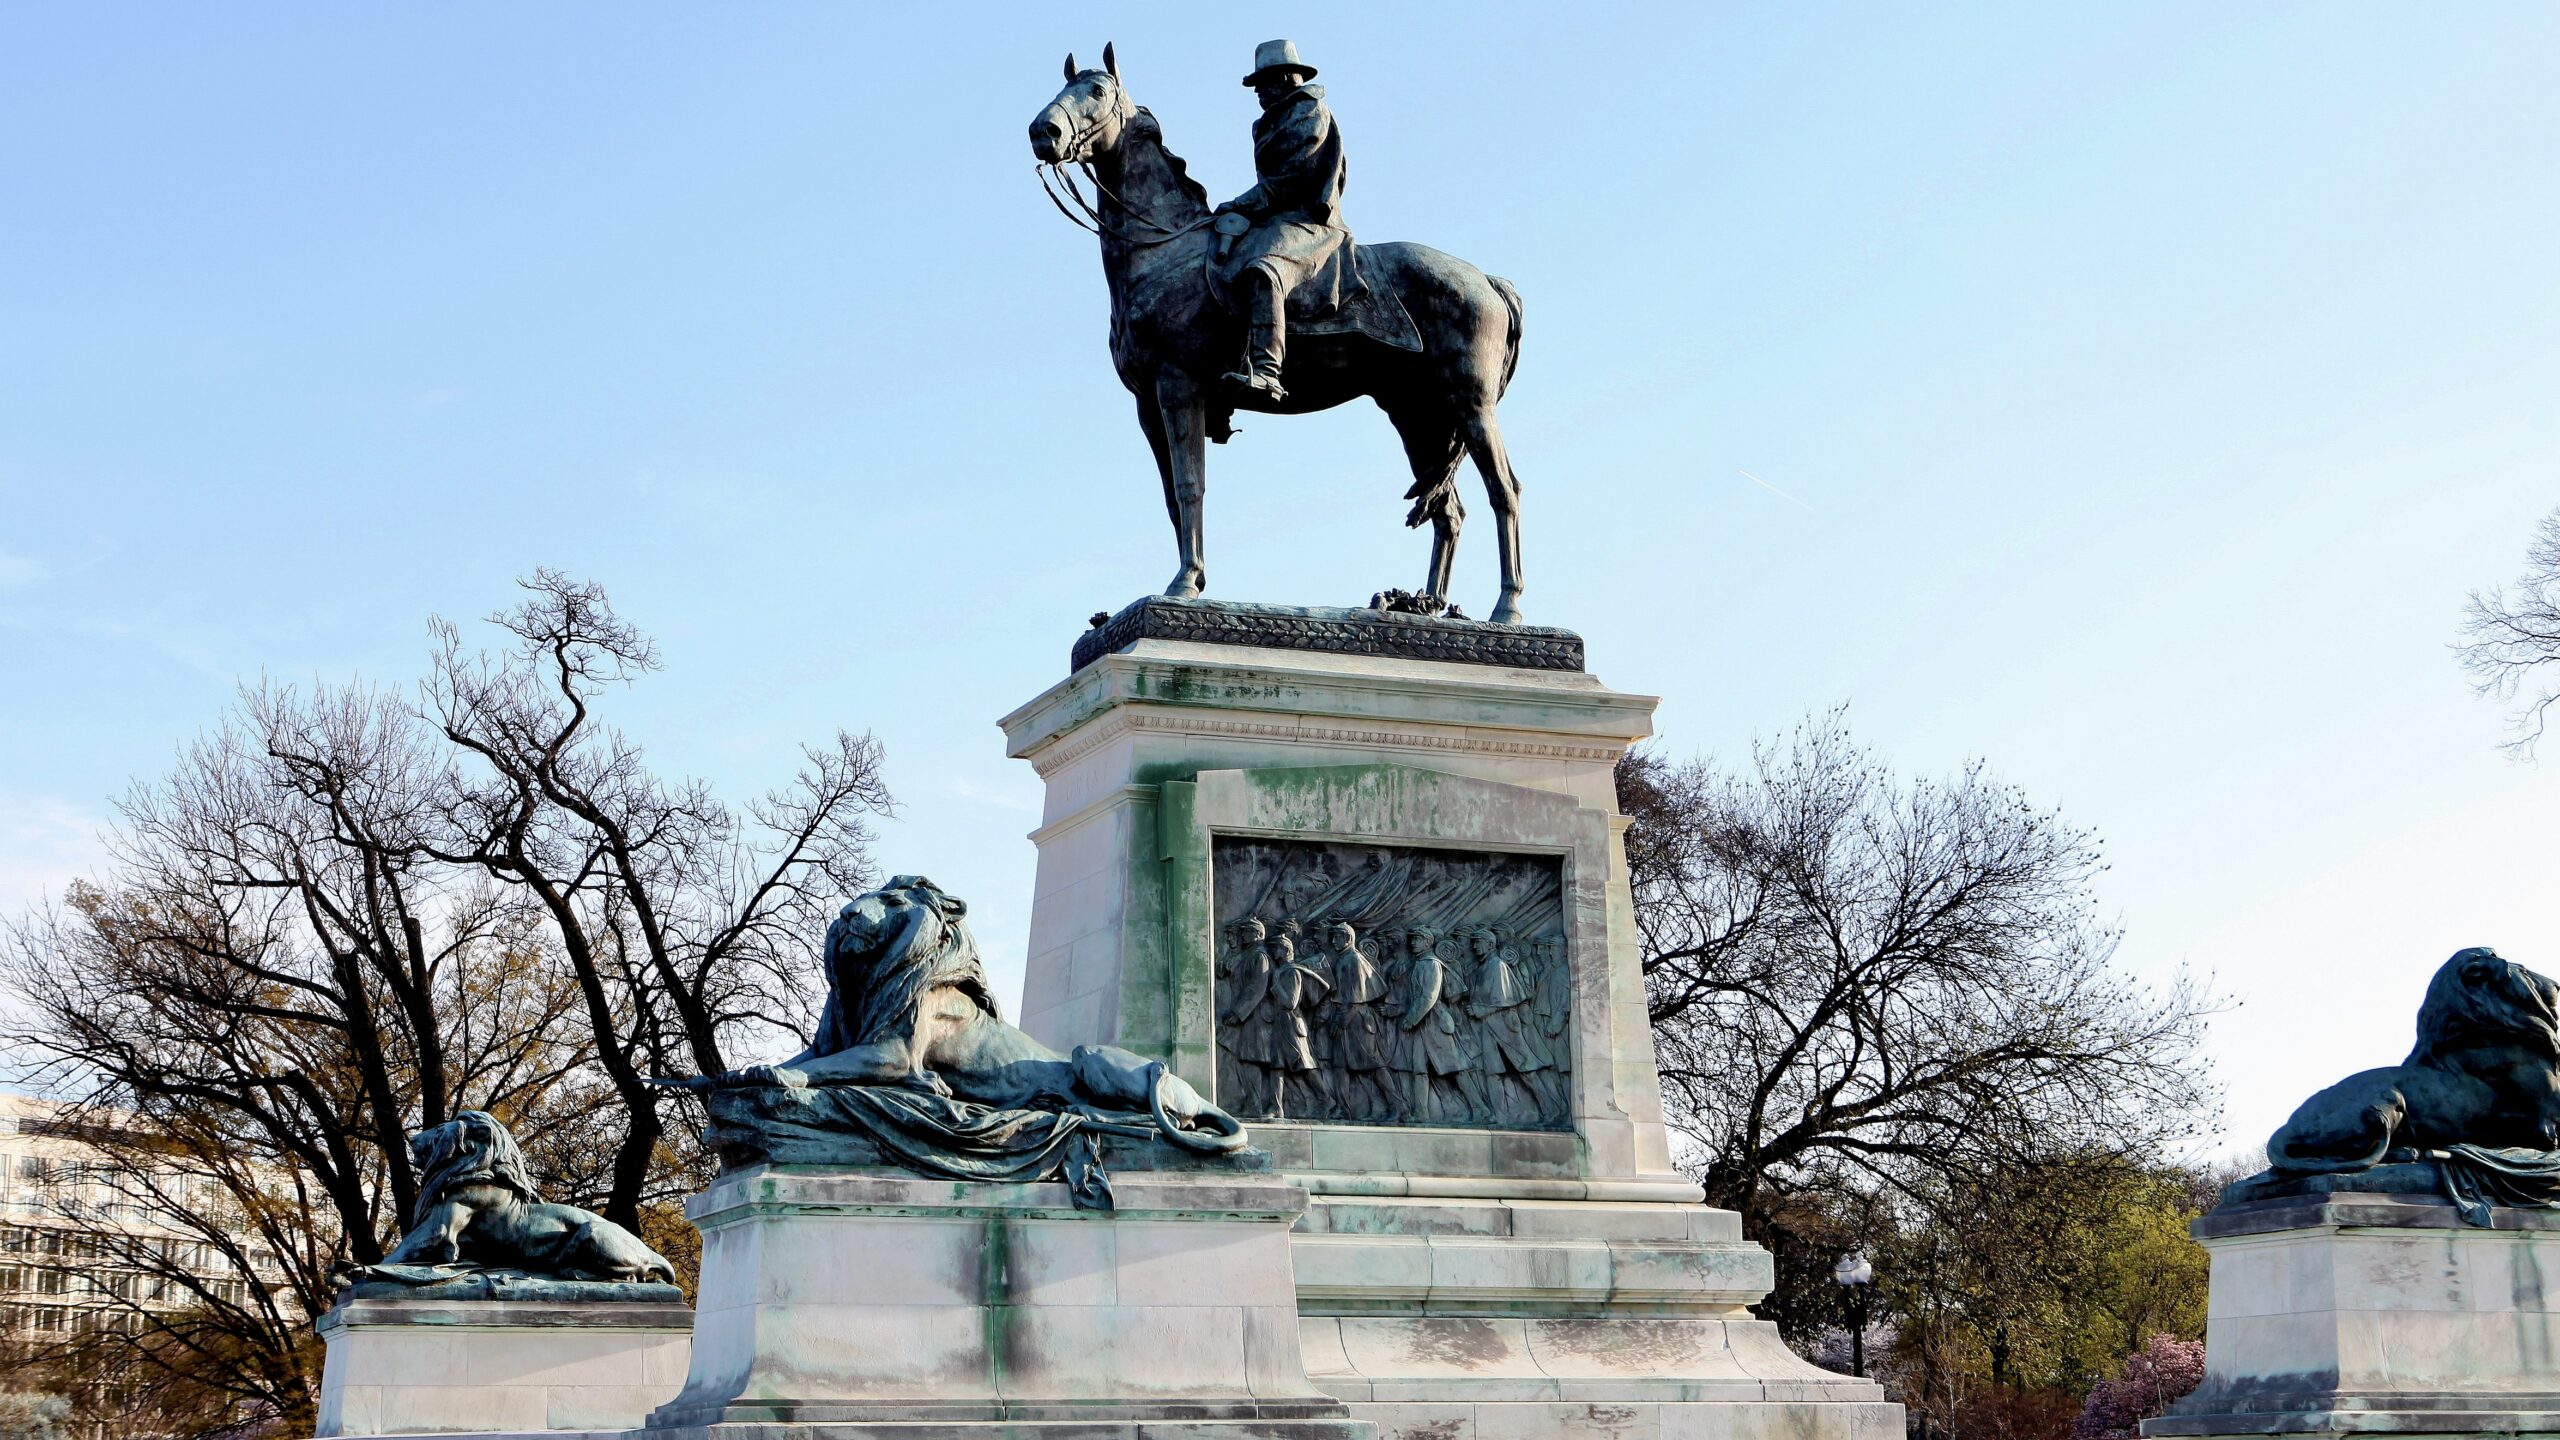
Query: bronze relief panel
1392 985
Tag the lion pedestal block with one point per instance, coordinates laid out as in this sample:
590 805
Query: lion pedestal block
1516 1255
2374 1315
871 1303
438 1367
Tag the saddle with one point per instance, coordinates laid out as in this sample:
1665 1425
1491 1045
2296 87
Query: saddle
1361 309
1335 300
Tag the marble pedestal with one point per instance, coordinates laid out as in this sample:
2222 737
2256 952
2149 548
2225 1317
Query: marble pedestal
1453 1283
873 1304
425 1367
1559 1318
2376 1315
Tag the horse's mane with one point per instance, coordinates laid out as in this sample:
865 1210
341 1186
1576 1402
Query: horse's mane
1146 120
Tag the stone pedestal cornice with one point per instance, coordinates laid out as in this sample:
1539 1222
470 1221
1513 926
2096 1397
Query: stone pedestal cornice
1331 630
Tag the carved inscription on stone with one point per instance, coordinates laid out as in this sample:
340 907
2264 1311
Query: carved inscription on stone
1392 985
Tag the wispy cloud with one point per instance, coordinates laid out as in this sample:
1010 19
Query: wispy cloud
169 629
1002 799
46 842
19 571
22 572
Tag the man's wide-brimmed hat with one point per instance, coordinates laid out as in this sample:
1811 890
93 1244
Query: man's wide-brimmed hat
1278 55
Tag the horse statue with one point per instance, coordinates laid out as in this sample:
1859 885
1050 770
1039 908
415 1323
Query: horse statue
1172 337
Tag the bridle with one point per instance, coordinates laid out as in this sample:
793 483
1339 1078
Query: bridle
1088 215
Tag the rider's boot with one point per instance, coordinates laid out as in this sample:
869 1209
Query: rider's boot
1263 349
1265 344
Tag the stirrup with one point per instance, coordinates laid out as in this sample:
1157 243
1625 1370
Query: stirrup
1264 385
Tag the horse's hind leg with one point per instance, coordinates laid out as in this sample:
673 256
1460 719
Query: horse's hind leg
1433 447
1484 441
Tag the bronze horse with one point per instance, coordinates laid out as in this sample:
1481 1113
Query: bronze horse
1171 338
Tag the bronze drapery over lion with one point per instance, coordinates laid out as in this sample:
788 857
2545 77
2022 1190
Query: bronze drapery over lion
2477 1099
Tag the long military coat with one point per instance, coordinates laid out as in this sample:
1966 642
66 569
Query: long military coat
1296 201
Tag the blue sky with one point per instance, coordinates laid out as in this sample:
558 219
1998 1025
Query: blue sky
2133 394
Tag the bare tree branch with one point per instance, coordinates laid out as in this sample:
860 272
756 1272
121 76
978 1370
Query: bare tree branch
2511 639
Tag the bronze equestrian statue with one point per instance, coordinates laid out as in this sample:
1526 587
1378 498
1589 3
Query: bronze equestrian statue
1266 304
1293 211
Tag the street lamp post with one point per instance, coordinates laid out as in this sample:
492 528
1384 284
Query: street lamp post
1855 1277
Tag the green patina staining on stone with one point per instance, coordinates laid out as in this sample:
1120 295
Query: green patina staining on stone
1145 1017
996 1301
1184 845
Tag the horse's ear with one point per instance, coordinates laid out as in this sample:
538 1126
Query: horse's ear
1110 61
1071 64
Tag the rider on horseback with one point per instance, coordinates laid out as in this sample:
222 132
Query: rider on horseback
1294 208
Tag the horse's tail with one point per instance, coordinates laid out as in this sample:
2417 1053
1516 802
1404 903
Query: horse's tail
1511 337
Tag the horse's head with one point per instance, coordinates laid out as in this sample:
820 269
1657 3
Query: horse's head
1088 117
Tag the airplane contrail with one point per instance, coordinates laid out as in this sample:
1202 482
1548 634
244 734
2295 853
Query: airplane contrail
1772 489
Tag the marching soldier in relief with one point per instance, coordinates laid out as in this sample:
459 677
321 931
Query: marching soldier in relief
1245 1054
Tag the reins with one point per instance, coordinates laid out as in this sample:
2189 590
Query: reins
1093 220
1088 215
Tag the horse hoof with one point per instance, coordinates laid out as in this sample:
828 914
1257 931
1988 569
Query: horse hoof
1185 586
1506 613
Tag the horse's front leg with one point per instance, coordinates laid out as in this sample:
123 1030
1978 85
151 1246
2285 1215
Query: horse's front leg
1184 423
1151 420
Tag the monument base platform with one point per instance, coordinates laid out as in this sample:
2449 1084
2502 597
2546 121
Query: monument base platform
1167 1426
441 1367
845 1302
1447 1318
2376 1315
1499 1271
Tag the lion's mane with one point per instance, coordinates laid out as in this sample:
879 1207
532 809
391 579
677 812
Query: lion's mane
472 1148
2479 1000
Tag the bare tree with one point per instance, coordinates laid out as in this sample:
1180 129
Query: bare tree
347 915
683 923
1862 985
270 990
2511 638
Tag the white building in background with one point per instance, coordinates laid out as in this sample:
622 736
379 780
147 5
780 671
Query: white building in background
56 1275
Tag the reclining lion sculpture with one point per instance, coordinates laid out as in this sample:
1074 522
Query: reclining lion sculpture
2478 1098
477 1215
912 1063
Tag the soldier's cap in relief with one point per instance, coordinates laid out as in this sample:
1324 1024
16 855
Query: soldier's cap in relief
1278 55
